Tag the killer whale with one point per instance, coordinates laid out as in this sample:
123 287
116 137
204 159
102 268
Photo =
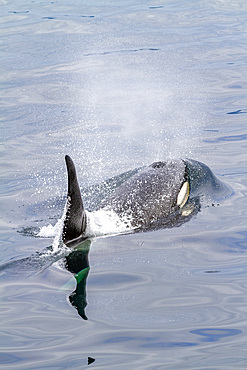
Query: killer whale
151 194
163 194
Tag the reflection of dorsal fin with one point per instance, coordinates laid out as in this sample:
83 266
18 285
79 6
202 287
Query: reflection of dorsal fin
75 220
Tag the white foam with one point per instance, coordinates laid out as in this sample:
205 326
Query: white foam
55 231
106 222
48 231
99 223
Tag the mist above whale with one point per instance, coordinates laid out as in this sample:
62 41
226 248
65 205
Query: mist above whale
163 194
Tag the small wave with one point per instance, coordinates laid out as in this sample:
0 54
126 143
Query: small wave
122 51
239 111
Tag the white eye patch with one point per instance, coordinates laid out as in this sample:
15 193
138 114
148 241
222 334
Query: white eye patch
183 195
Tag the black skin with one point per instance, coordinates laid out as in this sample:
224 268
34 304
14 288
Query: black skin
75 221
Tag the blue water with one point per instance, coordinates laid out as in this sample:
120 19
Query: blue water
118 85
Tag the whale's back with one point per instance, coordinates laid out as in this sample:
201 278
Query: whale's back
150 194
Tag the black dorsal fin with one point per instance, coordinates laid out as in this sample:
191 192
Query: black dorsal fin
75 220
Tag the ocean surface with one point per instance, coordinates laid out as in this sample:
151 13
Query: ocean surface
118 85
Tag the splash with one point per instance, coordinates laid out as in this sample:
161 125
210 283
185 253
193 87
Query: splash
146 110
106 222
55 231
99 223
